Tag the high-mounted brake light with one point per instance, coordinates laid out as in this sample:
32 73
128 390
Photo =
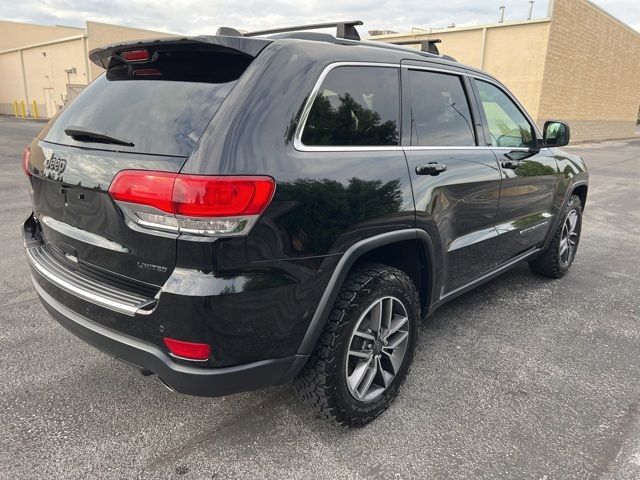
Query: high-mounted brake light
26 156
135 55
147 72
193 204
187 350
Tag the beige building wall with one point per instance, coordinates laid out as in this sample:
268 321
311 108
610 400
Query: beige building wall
11 85
515 55
35 70
38 74
15 34
101 34
46 77
512 52
592 72
580 65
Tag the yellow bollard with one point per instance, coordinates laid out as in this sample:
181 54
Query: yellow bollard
35 110
15 108
24 109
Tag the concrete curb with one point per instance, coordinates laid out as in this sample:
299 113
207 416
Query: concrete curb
13 117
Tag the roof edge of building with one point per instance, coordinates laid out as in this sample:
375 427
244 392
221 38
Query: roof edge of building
612 17
126 27
436 31
42 25
42 44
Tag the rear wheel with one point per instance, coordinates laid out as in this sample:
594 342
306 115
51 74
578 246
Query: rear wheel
364 354
556 260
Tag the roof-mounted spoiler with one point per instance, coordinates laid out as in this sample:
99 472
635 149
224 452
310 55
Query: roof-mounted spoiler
244 46
428 46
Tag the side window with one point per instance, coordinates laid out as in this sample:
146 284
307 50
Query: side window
507 125
440 115
355 106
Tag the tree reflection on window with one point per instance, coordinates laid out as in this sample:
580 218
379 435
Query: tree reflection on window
348 124
356 106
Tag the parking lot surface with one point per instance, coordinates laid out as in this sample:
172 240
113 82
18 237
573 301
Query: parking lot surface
523 377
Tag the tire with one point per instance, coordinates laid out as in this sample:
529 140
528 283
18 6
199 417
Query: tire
556 260
343 355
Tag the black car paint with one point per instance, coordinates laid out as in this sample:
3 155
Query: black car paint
78 196
266 296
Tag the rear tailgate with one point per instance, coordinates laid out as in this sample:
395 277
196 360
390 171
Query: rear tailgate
156 107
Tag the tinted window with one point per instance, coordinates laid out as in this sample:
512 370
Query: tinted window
507 125
161 110
440 114
355 106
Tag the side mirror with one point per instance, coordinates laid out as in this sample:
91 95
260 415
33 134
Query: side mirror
556 134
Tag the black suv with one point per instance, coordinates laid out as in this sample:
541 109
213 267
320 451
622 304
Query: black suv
237 211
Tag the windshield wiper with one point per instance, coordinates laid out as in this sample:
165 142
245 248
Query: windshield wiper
81 134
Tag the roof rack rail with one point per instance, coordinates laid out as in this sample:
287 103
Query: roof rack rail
429 46
346 30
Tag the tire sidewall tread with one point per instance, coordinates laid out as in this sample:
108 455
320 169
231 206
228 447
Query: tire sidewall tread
548 263
321 383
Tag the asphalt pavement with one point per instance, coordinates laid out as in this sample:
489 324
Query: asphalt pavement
523 377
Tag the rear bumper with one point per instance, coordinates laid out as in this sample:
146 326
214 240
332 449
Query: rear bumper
181 378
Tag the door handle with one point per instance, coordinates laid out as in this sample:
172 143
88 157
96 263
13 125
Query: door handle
511 164
431 168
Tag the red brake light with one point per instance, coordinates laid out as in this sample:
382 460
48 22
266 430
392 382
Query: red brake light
196 196
188 350
135 55
26 156
146 72
192 204
144 188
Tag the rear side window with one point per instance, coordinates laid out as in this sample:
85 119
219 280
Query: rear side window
161 107
355 106
508 126
440 115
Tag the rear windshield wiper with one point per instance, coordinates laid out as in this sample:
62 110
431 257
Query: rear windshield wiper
81 134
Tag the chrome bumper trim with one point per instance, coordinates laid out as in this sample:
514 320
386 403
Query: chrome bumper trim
85 287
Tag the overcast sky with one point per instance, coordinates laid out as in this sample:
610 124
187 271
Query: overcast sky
204 16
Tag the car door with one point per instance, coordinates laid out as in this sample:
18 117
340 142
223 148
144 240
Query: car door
529 172
455 183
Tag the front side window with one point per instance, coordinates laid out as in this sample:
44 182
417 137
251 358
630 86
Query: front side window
355 106
440 115
507 125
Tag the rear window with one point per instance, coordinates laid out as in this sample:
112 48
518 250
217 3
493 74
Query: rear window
356 106
161 107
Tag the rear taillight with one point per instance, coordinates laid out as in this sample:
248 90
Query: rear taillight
26 156
194 204
187 350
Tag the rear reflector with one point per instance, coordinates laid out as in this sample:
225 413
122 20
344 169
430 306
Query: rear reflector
195 204
135 55
26 156
187 350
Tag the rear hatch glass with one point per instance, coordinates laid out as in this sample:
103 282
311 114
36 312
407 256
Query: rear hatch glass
159 107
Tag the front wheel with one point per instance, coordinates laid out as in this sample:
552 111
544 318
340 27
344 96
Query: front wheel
364 353
556 260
